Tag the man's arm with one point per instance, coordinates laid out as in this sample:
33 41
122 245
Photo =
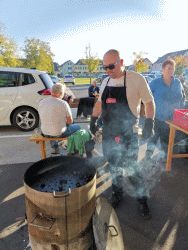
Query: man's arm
90 91
96 113
150 110
69 120
149 121
97 109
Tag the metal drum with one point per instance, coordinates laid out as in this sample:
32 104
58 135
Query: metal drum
60 196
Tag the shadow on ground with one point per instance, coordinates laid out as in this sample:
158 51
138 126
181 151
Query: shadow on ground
167 230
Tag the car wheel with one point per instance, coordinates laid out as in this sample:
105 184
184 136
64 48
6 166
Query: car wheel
25 119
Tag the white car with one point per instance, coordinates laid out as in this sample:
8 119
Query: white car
21 90
69 79
100 78
55 79
148 78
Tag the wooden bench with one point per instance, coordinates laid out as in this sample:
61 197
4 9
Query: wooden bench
170 154
41 140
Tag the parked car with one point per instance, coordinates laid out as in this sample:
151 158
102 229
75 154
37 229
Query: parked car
100 78
69 79
150 74
21 90
185 76
55 79
148 78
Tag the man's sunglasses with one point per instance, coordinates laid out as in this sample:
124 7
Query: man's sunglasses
110 66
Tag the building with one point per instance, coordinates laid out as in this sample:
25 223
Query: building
157 66
81 69
56 67
66 68
145 60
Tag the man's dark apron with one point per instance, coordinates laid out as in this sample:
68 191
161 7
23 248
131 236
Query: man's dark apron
118 120
120 144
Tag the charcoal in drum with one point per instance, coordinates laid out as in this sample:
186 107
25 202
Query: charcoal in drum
60 182
60 173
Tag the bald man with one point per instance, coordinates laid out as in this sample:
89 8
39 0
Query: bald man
119 105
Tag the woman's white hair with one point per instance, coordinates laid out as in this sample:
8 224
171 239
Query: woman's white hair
58 88
94 81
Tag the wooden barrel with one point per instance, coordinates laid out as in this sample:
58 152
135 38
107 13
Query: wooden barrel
60 220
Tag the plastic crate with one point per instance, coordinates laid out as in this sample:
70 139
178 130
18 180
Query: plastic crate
180 118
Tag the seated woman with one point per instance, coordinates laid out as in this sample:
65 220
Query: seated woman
93 90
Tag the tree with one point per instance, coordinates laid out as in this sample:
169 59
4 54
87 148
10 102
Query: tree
139 64
91 61
8 52
38 55
181 63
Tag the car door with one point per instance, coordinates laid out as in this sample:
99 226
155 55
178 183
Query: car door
30 86
8 94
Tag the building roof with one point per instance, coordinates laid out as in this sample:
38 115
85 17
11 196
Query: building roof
56 66
80 62
171 55
66 62
147 61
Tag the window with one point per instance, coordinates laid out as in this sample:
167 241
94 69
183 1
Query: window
26 79
46 80
8 79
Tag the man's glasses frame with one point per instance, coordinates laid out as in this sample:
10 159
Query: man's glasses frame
111 66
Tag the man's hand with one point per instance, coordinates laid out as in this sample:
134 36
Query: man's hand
148 128
93 126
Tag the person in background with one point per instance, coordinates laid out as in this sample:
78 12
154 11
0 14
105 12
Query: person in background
86 104
68 95
119 104
93 90
168 94
85 107
56 117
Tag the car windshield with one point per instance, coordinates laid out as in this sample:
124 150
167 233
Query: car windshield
46 80
68 76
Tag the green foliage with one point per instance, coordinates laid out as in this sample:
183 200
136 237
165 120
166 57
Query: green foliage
8 51
139 64
38 55
91 61
179 70
181 63
83 80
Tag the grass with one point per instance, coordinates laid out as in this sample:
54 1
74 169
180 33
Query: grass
80 81
83 80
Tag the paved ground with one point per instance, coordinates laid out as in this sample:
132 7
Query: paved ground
167 230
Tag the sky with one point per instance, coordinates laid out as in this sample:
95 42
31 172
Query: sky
152 27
